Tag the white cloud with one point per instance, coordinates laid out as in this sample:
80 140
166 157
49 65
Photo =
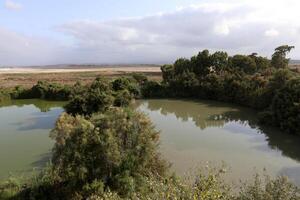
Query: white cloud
271 33
18 49
232 26
11 5
235 26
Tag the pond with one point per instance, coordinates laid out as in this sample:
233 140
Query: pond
196 132
24 135
192 133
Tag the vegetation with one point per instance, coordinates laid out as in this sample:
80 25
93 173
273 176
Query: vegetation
248 80
105 150
101 95
42 90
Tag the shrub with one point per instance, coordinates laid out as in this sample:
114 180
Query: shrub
115 149
97 97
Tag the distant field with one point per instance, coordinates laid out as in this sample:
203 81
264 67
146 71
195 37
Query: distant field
26 77
295 67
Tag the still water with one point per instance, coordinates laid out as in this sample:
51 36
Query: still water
192 133
24 135
196 132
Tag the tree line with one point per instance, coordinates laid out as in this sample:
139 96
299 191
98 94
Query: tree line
249 80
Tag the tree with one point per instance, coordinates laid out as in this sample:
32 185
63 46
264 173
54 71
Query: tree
243 63
201 63
219 60
167 73
279 59
286 106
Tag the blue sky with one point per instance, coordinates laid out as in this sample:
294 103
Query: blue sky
35 32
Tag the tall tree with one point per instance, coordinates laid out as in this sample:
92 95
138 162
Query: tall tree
279 59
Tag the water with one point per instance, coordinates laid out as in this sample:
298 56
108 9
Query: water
192 133
24 135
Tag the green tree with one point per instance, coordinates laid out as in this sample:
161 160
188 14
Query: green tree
201 63
286 106
97 97
279 59
243 63
167 73
219 60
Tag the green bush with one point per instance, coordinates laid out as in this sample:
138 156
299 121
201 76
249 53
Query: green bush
95 98
115 149
42 90
286 106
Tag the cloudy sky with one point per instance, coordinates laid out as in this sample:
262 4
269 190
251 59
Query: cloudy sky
35 32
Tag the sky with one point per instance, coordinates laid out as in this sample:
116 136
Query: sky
35 32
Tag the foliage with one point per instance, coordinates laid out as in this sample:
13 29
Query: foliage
87 100
101 95
248 80
152 89
286 106
140 78
279 59
42 90
268 189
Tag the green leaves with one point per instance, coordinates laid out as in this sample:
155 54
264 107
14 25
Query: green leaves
113 147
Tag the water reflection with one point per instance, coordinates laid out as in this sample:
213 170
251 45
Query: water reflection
207 114
24 134
42 105
39 120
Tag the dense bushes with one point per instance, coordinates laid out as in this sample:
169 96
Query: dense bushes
285 107
101 95
42 90
88 99
252 81
115 149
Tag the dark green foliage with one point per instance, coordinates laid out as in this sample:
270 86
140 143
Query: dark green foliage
219 60
153 89
246 80
167 73
43 90
243 63
101 95
286 106
129 84
94 98
279 59
201 63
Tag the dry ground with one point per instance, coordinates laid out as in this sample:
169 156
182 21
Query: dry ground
29 76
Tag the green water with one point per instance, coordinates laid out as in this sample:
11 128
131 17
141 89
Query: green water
192 133
24 135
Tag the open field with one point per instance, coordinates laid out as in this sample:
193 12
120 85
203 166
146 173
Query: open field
26 77
295 67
